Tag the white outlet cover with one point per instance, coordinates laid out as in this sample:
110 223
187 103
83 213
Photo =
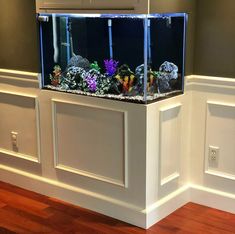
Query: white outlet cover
14 139
213 156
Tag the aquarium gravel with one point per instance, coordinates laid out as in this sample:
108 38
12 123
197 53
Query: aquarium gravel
121 97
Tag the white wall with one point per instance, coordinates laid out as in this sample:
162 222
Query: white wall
88 151
134 162
213 118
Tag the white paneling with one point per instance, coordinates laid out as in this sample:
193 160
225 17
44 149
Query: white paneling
210 81
20 113
90 141
170 143
220 132
16 75
94 155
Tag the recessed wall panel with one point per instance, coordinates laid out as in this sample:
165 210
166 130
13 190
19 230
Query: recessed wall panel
19 114
220 132
90 141
170 143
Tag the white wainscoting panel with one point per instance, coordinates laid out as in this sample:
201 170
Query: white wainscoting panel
220 132
170 143
90 141
20 113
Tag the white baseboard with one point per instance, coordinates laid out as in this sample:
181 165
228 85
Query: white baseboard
212 198
167 205
116 208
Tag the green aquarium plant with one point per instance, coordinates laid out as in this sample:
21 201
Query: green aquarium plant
95 66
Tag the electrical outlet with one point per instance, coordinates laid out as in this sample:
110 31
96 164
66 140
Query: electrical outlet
14 140
213 156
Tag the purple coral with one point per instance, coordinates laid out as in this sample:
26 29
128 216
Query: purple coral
91 82
110 66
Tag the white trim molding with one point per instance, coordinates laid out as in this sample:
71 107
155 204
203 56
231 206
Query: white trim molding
19 75
210 81
59 166
170 178
220 174
27 157
222 104
213 198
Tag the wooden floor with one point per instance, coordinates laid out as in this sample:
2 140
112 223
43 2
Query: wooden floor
22 211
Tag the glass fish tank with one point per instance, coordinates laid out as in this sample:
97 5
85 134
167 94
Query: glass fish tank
126 57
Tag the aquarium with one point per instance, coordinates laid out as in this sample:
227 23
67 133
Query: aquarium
133 58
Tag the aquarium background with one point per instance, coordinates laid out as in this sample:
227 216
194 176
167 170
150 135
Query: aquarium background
91 41
167 43
159 44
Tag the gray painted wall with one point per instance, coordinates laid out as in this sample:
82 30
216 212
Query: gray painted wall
215 38
18 35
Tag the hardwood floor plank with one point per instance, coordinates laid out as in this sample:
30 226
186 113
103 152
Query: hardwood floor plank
6 231
20 224
23 203
35 218
190 225
25 193
2 205
209 217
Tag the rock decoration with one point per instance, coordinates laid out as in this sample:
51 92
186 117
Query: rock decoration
167 72
55 77
152 79
72 77
126 78
170 68
104 85
79 61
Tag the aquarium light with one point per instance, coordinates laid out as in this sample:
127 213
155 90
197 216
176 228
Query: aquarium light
112 16
85 15
132 16
166 15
